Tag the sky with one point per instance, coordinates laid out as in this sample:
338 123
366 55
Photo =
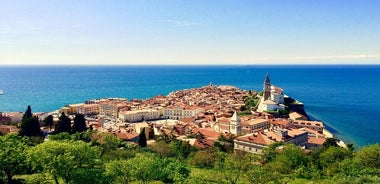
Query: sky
189 32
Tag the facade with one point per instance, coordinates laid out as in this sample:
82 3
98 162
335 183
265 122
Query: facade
313 125
108 110
88 109
235 124
252 143
255 142
229 125
255 125
139 115
181 112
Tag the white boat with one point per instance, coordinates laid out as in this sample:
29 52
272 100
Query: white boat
1 92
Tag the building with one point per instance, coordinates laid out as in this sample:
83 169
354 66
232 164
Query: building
297 116
139 115
272 99
281 123
256 142
313 125
179 112
235 124
266 89
229 125
108 110
253 143
89 109
255 125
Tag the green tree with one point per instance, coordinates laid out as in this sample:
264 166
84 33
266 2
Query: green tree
30 125
202 158
262 175
330 159
142 138
119 171
162 149
369 156
64 160
79 123
142 167
106 141
232 166
329 142
49 121
12 155
63 124
289 158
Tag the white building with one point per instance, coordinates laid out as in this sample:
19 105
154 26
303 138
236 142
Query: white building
139 115
273 97
181 112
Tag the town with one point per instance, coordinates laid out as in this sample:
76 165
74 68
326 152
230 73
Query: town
200 116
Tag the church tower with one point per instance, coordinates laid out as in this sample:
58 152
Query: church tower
266 89
235 124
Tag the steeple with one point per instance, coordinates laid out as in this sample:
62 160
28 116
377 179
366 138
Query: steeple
267 78
266 89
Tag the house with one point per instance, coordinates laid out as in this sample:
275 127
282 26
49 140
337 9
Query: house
254 125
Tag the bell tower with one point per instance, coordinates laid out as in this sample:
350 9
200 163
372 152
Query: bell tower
266 89
235 124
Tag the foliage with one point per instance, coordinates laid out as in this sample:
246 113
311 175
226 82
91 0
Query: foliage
369 156
231 166
106 141
30 125
119 171
64 160
12 155
202 159
63 124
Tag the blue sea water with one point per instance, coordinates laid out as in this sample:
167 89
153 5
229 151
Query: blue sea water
346 97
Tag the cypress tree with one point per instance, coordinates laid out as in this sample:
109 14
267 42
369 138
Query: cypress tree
79 123
48 121
30 125
63 124
142 138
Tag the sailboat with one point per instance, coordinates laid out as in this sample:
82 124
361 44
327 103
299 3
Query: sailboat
1 92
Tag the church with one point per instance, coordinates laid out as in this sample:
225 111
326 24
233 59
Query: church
272 98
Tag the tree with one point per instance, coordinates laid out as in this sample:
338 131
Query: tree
232 166
332 157
12 155
369 156
79 123
142 138
119 171
142 167
65 160
106 141
202 158
63 124
49 121
329 142
30 125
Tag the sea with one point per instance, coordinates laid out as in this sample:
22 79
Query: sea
345 97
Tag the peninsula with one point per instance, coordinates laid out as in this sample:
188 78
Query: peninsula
253 119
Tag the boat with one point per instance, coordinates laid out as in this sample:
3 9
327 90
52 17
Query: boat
1 92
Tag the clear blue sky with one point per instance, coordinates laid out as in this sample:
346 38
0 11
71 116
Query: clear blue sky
189 32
